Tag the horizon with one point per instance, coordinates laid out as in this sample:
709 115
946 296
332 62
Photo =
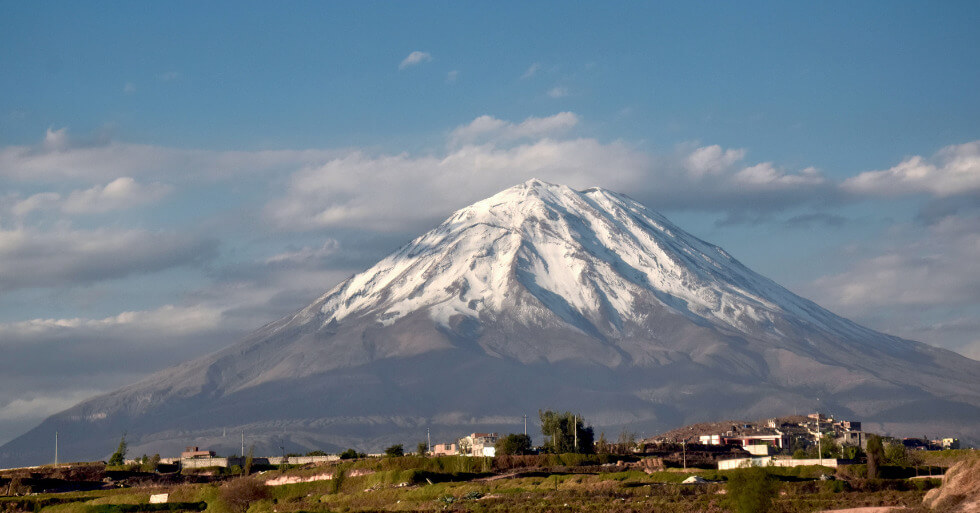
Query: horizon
176 175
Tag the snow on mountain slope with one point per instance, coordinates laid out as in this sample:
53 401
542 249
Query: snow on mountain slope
589 257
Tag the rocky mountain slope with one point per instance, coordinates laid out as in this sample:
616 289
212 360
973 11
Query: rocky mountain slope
538 297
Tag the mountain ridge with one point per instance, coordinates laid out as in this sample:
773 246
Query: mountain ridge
578 294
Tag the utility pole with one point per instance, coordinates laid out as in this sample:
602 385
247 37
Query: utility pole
684 452
243 443
525 424
819 449
428 439
56 448
575 427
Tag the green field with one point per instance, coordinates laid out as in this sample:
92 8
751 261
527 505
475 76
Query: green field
536 484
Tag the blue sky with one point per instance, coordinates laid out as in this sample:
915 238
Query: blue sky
174 174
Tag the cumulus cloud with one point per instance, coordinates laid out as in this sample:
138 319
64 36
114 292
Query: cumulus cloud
31 258
953 170
940 267
58 158
485 128
119 194
920 282
367 191
40 201
490 154
172 319
415 58
765 175
712 160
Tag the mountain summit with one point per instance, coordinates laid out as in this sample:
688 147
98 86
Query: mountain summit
540 296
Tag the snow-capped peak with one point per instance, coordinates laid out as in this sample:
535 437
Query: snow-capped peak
595 259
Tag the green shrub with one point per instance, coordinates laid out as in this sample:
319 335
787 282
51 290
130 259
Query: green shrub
833 486
751 490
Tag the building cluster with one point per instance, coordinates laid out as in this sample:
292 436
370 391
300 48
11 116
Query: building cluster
926 444
780 435
473 444
763 441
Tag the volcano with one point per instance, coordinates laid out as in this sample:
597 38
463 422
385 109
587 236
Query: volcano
540 296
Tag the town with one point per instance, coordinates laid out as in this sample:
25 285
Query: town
797 463
797 440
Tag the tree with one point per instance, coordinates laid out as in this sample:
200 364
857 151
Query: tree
828 447
238 494
316 453
561 430
119 457
896 454
350 454
876 455
248 460
150 464
513 444
602 446
751 490
851 452
626 442
395 451
423 449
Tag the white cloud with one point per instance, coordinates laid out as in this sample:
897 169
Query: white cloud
129 88
169 76
558 92
178 320
346 191
55 140
64 257
452 76
765 175
712 160
920 282
58 159
306 254
489 154
119 194
940 267
40 201
42 406
953 170
531 70
415 58
486 128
